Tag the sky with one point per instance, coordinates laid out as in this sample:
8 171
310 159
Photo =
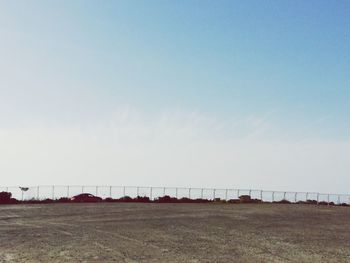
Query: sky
228 94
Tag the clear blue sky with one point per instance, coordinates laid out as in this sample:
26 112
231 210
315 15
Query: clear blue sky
283 66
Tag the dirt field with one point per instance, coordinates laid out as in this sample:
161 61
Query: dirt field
122 232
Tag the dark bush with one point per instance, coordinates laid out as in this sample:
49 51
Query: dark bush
322 203
47 201
326 203
186 200
86 198
311 202
64 200
14 201
31 201
142 199
283 202
245 199
200 200
125 199
166 199
234 201
5 197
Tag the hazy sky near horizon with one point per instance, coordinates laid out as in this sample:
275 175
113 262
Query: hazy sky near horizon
251 94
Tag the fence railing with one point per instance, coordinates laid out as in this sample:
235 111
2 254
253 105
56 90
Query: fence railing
60 191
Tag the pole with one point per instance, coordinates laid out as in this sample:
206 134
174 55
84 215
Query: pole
67 191
110 191
150 194
53 192
37 192
328 199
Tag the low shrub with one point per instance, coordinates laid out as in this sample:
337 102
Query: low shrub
63 200
167 199
323 203
142 199
283 201
5 197
311 202
126 199
234 201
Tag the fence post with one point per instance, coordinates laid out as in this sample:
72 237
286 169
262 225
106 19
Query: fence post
82 189
250 193
176 193
273 196
53 192
150 193
328 199
318 197
307 197
284 195
96 190
296 197
37 192
226 194
237 193
110 191
202 193
124 191
137 191
163 191
67 191
338 199
214 192
261 195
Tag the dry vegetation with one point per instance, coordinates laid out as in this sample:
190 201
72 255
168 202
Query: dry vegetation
145 232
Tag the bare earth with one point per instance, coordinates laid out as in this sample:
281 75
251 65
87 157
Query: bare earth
131 232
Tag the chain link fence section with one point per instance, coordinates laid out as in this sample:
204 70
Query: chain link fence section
56 192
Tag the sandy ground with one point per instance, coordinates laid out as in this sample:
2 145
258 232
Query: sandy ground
122 232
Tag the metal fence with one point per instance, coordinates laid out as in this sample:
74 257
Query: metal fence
60 191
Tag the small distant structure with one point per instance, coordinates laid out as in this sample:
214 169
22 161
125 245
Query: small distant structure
23 189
